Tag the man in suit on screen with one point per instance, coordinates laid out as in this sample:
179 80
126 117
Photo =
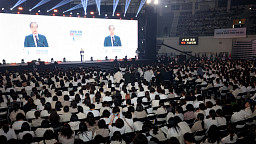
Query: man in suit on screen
112 40
35 39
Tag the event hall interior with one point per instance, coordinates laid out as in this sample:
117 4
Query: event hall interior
128 72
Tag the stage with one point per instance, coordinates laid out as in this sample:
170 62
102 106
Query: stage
101 64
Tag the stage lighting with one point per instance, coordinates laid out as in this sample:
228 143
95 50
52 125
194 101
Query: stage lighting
53 14
166 6
63 15
118 14
20 8
148 1
2 9
36 13
55 10
77 13
11 9
30 10
92 13
142 29
39 11
156 2
47 10
250 8
70 13
106 15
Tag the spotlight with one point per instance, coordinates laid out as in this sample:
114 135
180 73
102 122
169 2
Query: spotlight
63 12
39 11
55 10
92 13
106 15
142 42
77 13
11 9
47 10
20 8
142 29
166 6
2 9
99 14
91 58
250 8
118 14
30 10
148 1
70 13
156 2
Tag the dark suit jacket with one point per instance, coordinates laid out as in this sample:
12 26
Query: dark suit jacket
107 41
29 41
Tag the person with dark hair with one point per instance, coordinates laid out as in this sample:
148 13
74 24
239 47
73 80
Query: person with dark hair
66 115
119 126
172 130
230 138
15 110
102 129
81 115
48 138
106 116
20 119
66 101
221 120
212 135
189 138
199 124
184 127
189 115
66 135
83 133
74 122
27 139
3 139
201 109
8 132
140 113
25 128
157 133
179 112
47 110
45 125
117 138
211 120
37 121
140 139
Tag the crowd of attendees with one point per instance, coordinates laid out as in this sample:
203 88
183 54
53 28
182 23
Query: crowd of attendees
199 101
203 22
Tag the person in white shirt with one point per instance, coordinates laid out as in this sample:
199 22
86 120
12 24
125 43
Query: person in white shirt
128 122
84 134
119 126
210 121
44 127
25 128
221 120
172 130
230 138
19 121
8 132
118 76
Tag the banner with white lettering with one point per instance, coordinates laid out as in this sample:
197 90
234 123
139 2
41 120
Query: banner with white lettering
230 33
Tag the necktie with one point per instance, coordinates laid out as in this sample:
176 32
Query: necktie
36 41
113 40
